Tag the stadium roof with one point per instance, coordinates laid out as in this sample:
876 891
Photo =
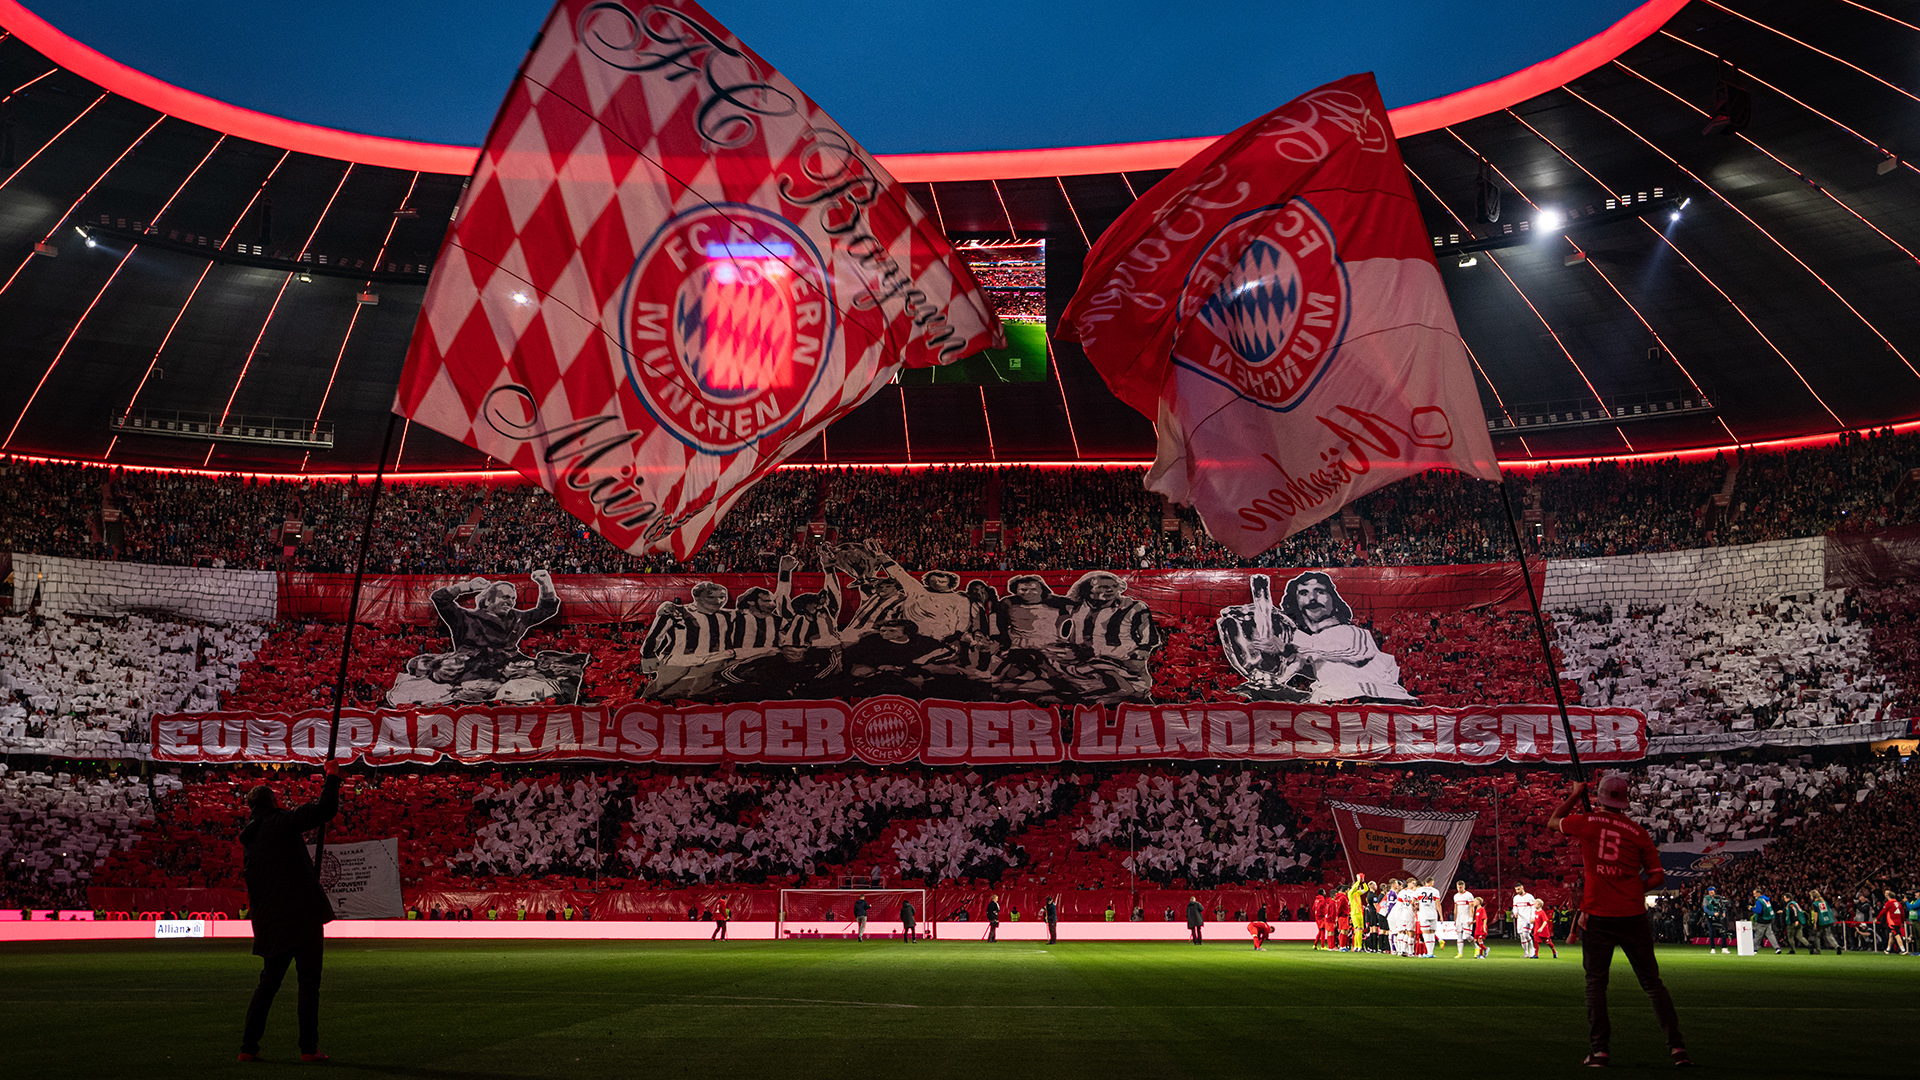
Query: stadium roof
1783 295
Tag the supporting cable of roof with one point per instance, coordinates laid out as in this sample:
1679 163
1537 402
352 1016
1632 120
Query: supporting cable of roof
1060 383
1011 231
29 82
1497 399
1877 146
1522 293
62 351
1798 175
1132 194
386 242
1074 212
1882 14
933 193
56 138
261 336
1595 267
1710 189
1814 48
83 196
103 291
992 454
906 429
1712 284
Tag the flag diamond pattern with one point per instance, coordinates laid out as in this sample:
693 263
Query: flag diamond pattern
669 272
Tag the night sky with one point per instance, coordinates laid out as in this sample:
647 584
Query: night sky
899 77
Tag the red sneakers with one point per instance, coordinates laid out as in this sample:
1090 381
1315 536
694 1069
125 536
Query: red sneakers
315 1058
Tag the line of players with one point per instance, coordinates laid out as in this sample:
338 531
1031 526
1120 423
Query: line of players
921 637
1403 919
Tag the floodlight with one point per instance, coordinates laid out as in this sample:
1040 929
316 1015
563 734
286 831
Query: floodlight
1549 220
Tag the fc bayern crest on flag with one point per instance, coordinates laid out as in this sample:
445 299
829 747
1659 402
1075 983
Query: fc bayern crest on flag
1270 326
1273 305
669 272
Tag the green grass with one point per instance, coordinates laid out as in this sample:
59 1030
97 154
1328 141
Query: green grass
848 1010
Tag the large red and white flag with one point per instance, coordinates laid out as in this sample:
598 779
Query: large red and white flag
669 272
1273 305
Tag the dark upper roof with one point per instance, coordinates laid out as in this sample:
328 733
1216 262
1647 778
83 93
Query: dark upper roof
1787 297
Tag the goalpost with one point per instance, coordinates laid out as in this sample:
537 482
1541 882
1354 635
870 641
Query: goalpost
830 911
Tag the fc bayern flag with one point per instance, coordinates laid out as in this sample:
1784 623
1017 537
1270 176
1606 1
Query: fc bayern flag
669 272
1274 306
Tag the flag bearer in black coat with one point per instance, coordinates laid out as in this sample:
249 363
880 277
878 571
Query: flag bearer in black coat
289 908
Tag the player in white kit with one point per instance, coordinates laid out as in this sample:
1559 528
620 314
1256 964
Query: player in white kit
1525 910
1462 918
1427 914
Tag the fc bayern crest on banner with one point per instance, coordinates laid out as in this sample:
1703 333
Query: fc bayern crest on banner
1276 316
736 355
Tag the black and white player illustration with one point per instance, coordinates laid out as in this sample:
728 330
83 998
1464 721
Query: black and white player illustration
1307 647
486 662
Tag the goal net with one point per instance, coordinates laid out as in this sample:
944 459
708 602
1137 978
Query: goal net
829 912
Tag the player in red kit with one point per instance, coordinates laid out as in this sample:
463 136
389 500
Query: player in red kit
1319 909
1621 864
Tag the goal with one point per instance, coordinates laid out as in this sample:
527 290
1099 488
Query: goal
829 912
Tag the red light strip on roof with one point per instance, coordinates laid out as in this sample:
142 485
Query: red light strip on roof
1710 189
1061 383
29 82
258 338
71 334
386 241
83 196
991 452
1075 213
1675 248
1598 400
508 476
1655 334
1848 63
1743 71
906 430
1882 14
1798 175
1497 399
1011 231
50 142
110 74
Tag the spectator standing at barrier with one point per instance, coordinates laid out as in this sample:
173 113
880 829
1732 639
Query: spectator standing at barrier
1714 907
1052 912
1621 863
289 909
993 917
860 917
722 912
1763 922
1196 918
906 919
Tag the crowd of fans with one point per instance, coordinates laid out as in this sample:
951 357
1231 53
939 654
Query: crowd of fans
964 518
87 686
1785 663
56 828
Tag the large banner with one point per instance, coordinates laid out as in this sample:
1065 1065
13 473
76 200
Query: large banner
892 730
1384 844
362 881
1690 863
670 271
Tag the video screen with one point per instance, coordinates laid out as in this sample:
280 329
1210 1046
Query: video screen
1013 273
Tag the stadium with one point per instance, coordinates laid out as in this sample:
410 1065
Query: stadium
665 800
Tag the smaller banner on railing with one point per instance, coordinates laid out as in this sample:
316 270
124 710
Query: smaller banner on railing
1688 863
892 730
362 881
1421 844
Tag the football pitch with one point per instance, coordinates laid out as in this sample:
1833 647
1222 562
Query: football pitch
850 1010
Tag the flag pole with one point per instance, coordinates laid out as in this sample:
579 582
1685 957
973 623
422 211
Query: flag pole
353 616
1546 647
